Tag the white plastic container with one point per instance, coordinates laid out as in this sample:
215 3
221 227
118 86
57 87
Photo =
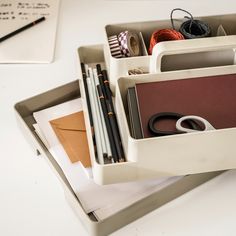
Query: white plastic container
135 168
24 114
118 67
139 151
176 154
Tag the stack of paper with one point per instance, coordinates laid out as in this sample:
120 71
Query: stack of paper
109 198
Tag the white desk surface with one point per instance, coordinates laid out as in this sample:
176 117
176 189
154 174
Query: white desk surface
31 197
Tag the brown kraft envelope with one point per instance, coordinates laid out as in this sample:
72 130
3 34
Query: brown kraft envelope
71 132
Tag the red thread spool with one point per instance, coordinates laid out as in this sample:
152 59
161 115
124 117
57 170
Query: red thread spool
164 35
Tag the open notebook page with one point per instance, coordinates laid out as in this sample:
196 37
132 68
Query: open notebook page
35 44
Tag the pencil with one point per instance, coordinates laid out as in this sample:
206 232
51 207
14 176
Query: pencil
110 112
112 116
96 126
104 129
22 29
98 115
108 125
107 89
115 131
87 94
101 80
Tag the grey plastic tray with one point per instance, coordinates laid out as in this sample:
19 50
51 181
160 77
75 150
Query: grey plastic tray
24 114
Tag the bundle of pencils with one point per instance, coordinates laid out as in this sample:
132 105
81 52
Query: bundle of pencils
102 114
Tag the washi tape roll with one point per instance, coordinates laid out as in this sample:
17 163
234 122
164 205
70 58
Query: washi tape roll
129 44
115 46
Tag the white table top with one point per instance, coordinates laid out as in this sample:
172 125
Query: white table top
31 197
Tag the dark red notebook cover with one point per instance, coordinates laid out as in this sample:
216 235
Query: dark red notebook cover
213 98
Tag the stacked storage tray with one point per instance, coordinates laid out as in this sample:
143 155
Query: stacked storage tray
179 154
196 53
24 114
142 162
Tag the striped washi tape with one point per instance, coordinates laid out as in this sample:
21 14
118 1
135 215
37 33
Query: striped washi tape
115 46
129 44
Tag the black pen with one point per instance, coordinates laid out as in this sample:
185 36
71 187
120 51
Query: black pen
115 123
115 132
101 80
22 28
104 82
107 123
112 116
107 88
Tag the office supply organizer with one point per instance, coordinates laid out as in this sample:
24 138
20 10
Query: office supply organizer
170 60
194 53
192 58
24 113
158 157
178 154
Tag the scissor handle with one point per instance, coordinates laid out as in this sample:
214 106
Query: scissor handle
179 127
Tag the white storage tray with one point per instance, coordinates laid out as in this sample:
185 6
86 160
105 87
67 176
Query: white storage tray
210 55
24 114
139 151
108 173
176 154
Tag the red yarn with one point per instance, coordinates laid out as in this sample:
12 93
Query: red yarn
164 35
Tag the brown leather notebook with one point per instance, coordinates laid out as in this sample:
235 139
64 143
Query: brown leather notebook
213 98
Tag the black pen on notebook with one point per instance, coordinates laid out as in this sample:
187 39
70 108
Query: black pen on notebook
22 29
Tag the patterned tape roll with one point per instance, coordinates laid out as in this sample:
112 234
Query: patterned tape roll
129 44
115 46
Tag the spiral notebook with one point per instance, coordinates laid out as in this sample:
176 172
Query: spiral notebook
35 44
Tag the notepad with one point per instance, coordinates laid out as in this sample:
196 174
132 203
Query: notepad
36 44
212 98
134 119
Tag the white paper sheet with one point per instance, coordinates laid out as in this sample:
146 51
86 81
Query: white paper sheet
41 135
102 200
148 187
34 45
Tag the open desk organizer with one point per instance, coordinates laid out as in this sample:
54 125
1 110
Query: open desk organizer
178 154
168 60
24 114
136 150
150 158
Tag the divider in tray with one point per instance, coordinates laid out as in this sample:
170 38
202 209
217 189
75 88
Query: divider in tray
221 25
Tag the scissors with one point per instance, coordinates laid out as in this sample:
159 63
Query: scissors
192 121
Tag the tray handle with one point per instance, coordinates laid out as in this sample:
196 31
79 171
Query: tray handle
189 46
